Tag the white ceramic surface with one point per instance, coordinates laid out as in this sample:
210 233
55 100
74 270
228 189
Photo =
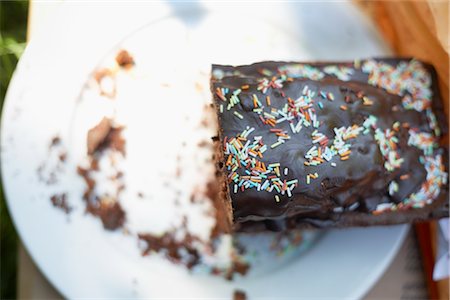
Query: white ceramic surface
75 253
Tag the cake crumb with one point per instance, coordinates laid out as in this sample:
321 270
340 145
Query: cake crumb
124 59
53 166
106 81
60 201
105 135
176 250
56 140
111 213
239 295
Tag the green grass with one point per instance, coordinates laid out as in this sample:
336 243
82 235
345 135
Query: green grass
13 25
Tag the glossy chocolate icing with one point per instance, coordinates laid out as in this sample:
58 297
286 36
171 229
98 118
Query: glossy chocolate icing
349 193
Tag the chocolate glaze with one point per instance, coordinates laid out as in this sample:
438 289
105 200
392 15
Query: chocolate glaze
361 179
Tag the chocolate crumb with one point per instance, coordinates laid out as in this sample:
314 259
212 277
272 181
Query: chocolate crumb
140 195
97 135
204 144
60 201
241 267
177 251
104 136
99 76
124 59
108 210
63 157
84 173
239 295
47 171
111 214
55 141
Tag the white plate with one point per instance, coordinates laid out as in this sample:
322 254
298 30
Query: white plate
78 256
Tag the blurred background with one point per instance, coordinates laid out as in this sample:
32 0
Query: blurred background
13 29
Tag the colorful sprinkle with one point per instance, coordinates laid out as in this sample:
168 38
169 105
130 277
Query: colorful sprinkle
330 96
404 177
410 80
367 101
393 188
423 141
238 115
301 71
341 72
387 142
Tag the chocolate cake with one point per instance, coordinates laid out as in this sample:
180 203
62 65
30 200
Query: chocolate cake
331 144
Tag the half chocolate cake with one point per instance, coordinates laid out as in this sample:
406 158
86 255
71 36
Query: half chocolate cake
331 144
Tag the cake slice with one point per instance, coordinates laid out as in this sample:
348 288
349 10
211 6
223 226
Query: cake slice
331 144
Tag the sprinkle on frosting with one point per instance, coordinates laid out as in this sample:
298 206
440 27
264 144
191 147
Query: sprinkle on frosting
430 189
320 152
238 115
422 140
341 72
387 142
433 122
301 71
410 80
299 113
369 123
393 188
407 79
248 171
265 84
436 178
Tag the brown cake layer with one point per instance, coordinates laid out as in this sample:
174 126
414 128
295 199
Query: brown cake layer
332 144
